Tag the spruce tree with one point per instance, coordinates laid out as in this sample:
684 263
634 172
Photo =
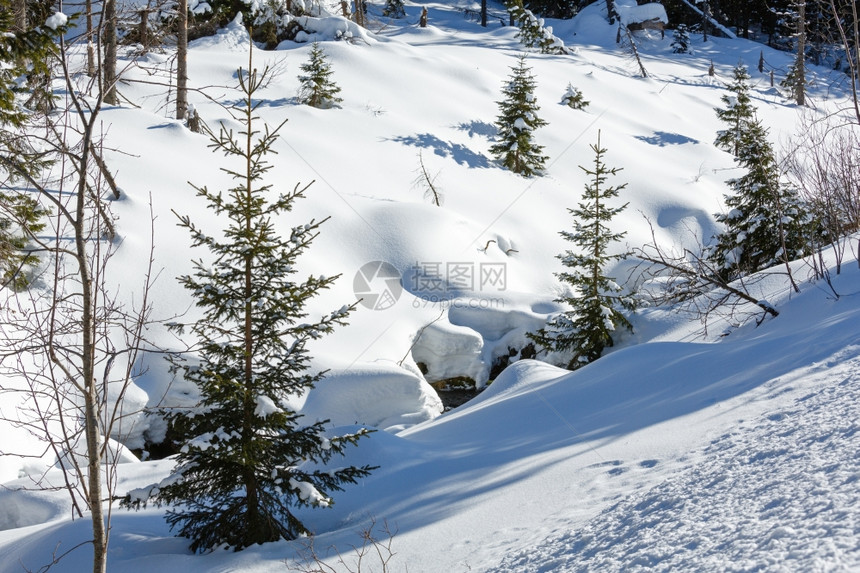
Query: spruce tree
766 222
533 33
795 82
21 217
394 9
681 40
738 112
573 98
318 89
247 459
516 123
560 9
596 301
27 43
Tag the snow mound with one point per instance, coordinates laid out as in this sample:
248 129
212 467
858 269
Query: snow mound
21 508
519 378
115 453
233 37
631 13
449 351
381 395
328 28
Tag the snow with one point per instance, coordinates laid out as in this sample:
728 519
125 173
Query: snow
266 407
631 13
56 20
382 395
678 450
308 493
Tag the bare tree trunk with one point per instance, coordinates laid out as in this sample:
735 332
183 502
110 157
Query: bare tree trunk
91 50
143 29
92 426
182 61
800 65
359 13
635 51
109 65
20 15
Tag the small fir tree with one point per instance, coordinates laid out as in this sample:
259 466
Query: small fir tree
532 32
394 9
517 122
681 40
795 82
766 222
596 301
738 113
318 89
573 98
247 458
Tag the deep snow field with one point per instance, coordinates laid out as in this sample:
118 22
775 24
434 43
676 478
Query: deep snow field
731 448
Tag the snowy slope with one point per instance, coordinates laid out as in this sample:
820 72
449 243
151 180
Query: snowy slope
671 452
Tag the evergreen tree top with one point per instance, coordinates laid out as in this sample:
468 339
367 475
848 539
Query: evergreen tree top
738 114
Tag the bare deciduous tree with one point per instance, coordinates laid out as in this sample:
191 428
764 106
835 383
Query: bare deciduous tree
687 278
374 553
848 30
824 164
68 346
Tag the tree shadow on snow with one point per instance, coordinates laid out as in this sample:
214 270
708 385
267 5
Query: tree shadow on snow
481 128
515 429
664 138
460 153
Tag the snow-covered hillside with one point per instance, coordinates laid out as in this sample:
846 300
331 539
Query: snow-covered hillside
675 451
